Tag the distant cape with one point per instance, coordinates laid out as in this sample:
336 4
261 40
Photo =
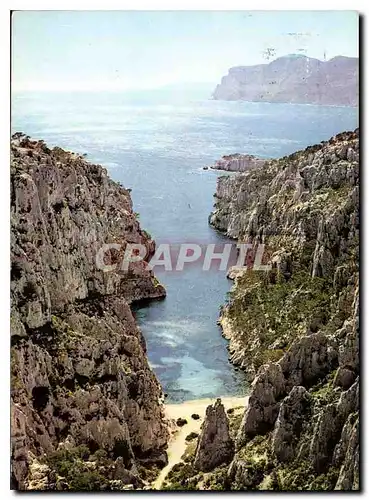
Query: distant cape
294 79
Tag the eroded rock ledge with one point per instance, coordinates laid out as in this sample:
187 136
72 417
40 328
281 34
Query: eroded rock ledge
86 407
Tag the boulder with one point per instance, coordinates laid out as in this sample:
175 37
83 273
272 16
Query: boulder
181 422
191 436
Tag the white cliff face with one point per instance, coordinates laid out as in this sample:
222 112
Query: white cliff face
294 79
295 328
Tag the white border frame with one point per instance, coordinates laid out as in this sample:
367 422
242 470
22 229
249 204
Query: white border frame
6 6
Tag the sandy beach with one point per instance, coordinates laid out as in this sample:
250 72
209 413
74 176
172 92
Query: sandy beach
177 443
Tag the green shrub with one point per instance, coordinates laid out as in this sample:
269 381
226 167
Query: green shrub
267 317
71 465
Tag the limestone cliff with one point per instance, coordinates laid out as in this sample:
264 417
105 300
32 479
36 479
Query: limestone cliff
295 328
294 79
86 407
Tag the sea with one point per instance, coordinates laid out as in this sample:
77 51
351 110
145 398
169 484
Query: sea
157 143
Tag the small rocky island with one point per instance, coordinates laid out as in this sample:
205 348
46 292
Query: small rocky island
238 163
294 78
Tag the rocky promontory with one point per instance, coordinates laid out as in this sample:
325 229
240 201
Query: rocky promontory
86 407
294 78
238 163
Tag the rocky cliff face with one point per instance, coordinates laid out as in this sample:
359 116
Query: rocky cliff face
86 407
295 328
294 79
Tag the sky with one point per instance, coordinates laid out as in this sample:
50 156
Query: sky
118 50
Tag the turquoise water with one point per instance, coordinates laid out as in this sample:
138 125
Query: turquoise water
157 143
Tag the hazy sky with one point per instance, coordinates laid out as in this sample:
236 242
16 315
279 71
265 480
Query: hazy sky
132 49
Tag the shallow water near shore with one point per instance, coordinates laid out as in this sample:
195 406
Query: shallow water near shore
157 144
